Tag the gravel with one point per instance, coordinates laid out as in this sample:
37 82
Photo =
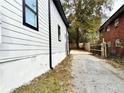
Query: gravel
94 75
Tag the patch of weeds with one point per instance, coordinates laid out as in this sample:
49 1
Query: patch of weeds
116 62
55 81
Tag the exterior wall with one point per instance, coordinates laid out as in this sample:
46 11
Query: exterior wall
58 48
24 53
113 34
19 41
0 19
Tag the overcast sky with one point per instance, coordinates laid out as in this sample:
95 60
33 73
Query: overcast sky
117 5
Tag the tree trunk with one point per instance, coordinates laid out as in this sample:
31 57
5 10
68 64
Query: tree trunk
77 40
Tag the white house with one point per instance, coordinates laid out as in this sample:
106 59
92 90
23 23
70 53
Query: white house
33 39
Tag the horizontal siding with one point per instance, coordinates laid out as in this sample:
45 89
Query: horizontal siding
55 21
19 41
0 19
23 71
0 30
26 51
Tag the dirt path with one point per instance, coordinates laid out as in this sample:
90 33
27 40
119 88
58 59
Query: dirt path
93 75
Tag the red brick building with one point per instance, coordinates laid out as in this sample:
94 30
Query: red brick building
112 32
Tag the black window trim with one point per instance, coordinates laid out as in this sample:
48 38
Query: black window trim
59 33
24 16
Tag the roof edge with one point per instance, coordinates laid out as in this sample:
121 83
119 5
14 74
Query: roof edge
113 17
61 11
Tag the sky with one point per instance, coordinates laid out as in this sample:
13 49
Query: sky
116 6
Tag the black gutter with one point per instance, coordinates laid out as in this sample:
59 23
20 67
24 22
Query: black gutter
67 42
50 39
62 14
61 11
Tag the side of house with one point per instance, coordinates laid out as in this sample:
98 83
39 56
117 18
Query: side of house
0 19
24 47
113 34
59 35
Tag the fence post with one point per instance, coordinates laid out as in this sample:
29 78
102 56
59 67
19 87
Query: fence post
87 47
103 49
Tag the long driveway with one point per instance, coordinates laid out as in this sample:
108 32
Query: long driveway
94 75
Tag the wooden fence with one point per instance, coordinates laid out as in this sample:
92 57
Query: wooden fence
96 49
99 49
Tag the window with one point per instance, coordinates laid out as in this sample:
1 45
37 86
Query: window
103 30
118 43
59 33
116 22
108 28
30 13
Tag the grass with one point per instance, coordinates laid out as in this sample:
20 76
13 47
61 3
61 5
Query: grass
116 62
55 81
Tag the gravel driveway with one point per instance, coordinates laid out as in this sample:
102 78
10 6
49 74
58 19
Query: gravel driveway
93 75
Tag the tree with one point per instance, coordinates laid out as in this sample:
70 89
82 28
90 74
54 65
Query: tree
85 15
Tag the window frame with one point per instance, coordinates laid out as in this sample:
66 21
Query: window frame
116 22
118 43
108 28
59 33
24 15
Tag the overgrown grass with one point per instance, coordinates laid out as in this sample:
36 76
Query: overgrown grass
55 81
116 62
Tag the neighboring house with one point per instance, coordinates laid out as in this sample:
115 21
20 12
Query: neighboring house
112 32
33 39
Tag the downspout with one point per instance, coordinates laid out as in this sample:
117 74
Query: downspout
50 39
67 42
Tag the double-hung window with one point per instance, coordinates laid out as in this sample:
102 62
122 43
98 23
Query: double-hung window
30 13
59 33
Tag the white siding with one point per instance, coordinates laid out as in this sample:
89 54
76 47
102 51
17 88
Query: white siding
58 48
0 19
16 73
19 40
24 53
